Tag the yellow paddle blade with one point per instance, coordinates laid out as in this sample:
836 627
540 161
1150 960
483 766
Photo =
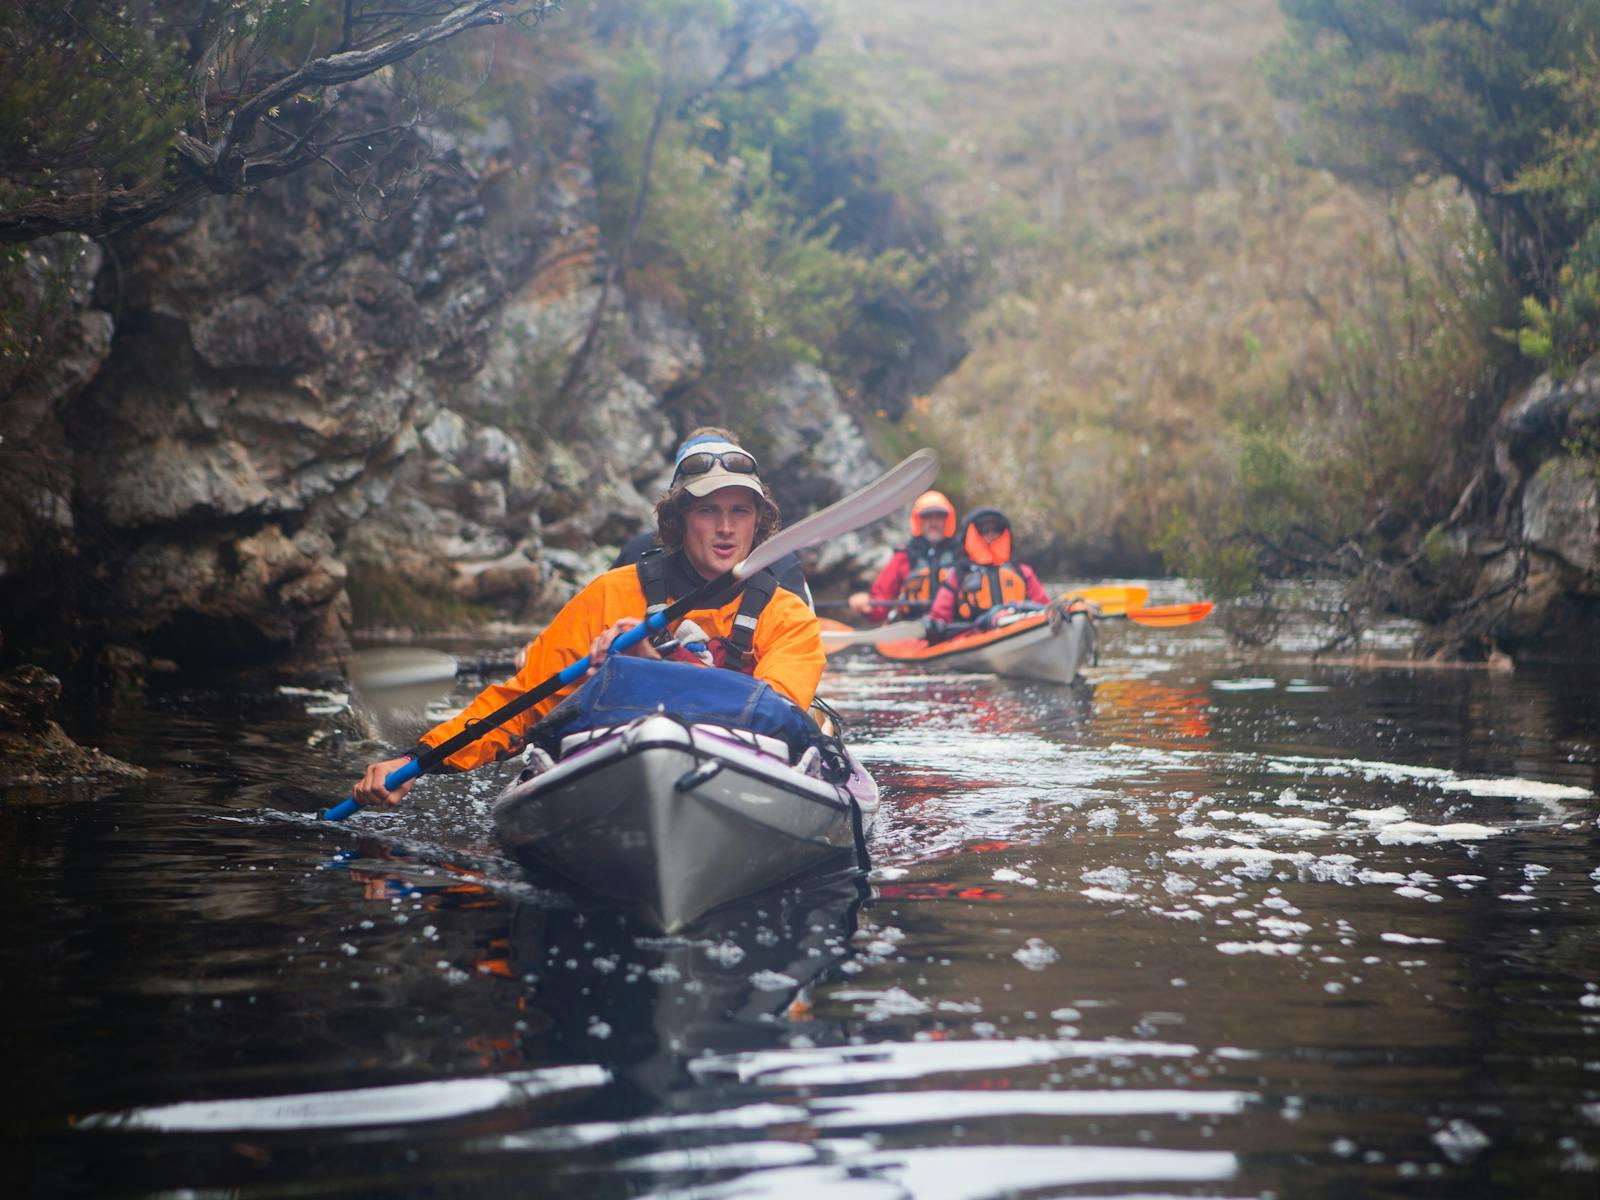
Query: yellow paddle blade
1113 600
1167 616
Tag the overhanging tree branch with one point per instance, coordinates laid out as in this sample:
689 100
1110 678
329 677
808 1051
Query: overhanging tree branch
231 161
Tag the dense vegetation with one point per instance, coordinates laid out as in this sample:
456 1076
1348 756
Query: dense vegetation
778 216
1260 278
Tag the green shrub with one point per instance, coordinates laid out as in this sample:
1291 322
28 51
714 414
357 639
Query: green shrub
1564 334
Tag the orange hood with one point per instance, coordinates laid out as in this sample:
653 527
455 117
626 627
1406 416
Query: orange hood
933 500
986 552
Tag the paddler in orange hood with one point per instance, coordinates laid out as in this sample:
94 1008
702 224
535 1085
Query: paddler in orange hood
986 581
905 586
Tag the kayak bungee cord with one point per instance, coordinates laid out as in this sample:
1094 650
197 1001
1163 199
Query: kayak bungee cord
891 490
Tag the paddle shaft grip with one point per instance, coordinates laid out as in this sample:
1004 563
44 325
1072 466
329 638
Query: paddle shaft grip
406 770
476 729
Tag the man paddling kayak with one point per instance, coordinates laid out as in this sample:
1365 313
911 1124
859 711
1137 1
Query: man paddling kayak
985 582
906 585
713 514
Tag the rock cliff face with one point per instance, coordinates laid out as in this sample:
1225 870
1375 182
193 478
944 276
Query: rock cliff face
256 407
1536 590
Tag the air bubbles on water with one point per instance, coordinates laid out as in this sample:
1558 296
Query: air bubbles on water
726 954
1036 955
1115 878
1461 1141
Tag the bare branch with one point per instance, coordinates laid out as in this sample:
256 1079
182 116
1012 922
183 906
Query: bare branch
231 163
226 173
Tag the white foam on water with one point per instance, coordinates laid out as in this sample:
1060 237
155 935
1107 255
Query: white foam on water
773 981
1415 833
734 1156
407 1103
1254 684
1036 955
1378 816
853 1169
1100 893
1269 948
1280 927
849 1065
1115 878
594 1133
1516 789
1394 877
941 1107
970 1172
1407 940
1212 856
1416 893
881 1005
1295 826
1461 1141
1007 875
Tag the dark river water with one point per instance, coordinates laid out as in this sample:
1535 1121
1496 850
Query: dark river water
1203 925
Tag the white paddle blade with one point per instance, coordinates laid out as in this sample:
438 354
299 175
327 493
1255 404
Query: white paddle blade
891 490
840 639
385 667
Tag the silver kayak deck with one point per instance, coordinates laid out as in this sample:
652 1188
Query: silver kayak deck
673 820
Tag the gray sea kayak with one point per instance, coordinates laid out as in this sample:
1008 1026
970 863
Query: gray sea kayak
673 820
1025 646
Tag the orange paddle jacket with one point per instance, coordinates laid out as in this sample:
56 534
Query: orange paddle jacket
787 649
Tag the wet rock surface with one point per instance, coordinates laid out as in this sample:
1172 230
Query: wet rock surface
33 746
1528 576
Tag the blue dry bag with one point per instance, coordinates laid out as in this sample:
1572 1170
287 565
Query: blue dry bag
627 688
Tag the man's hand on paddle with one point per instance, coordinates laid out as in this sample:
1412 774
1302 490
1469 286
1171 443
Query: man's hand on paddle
601 646
371 790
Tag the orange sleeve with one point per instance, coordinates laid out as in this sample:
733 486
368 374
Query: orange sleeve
788 646
565 640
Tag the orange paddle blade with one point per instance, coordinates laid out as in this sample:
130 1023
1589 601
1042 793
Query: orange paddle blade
1166 616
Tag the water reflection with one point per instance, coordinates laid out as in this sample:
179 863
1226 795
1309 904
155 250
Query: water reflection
598 985
1201 927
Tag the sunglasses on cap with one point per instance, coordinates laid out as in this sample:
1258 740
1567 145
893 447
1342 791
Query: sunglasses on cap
698 463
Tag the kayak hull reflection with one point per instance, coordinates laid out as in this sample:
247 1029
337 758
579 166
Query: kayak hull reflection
672 821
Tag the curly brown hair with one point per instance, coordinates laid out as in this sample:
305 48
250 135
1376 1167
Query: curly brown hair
673 508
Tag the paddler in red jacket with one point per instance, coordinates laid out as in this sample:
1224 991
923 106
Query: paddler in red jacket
905 586
985 582
715 512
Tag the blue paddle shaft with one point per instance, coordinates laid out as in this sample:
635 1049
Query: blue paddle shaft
413 768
